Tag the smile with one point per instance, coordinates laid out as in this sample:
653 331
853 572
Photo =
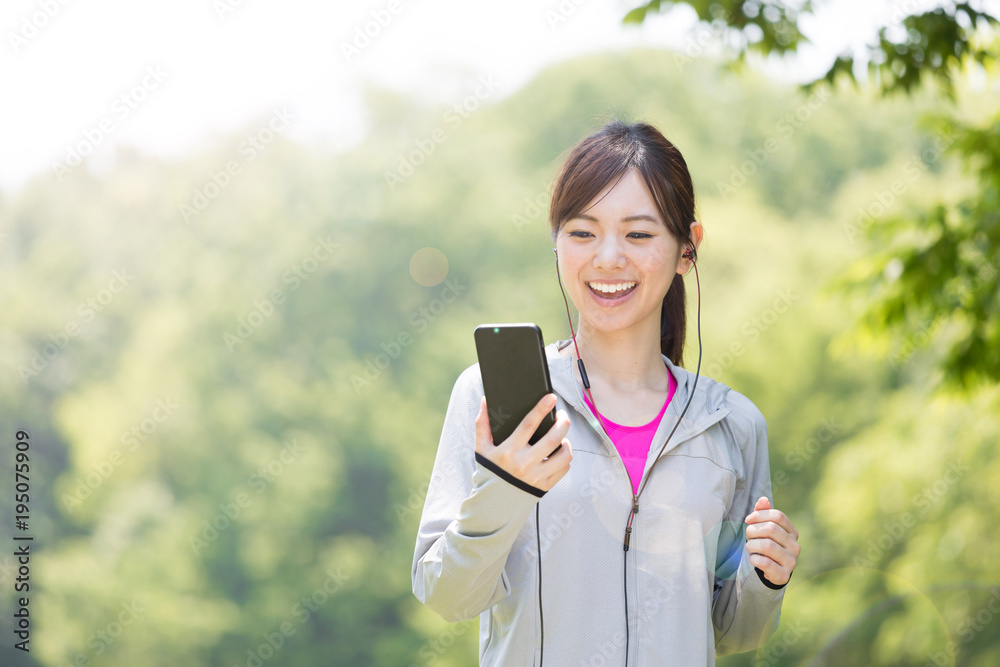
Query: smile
612 290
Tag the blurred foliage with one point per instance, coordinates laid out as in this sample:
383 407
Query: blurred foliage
235 446
767 26
959 247
936 273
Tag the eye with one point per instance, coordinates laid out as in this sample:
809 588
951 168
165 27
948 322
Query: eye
638 235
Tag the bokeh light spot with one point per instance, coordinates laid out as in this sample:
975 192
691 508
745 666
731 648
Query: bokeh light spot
429 267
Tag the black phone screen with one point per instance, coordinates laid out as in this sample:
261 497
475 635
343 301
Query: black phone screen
515 376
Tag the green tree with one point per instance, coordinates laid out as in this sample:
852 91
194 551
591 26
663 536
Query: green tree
934 266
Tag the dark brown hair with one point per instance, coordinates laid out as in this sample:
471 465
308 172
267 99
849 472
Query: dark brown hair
605 156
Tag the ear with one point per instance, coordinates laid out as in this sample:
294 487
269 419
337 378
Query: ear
685 263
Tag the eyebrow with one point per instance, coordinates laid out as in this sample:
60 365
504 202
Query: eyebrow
628 218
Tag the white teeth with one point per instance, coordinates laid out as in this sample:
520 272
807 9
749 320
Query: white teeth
611 289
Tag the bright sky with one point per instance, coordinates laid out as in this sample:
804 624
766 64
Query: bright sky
167 77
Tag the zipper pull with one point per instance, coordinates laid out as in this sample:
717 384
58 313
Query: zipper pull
628 527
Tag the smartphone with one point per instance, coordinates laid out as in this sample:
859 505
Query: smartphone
515 377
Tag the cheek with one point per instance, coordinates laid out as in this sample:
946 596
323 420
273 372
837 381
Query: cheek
569 263
659 264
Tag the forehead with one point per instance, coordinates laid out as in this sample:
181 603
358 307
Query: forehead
624 198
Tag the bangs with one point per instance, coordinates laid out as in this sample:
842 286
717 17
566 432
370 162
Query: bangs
603 159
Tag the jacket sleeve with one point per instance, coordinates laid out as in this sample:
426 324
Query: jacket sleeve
470 520
746 609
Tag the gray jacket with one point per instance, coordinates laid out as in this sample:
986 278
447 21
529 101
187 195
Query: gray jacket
692 592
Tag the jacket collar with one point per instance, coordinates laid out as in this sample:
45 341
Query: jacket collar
707 406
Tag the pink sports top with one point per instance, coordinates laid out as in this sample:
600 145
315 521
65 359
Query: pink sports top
632 442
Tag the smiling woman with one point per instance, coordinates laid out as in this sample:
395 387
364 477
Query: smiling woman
701 570
624 254
627 191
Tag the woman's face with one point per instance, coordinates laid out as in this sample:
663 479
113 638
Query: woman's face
619 240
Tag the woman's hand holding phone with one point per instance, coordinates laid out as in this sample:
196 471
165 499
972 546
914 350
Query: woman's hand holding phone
533 464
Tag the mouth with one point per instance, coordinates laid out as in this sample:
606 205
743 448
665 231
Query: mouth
612 292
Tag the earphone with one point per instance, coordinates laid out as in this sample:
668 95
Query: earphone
691 254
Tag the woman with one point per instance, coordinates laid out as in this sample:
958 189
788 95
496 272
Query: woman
653 521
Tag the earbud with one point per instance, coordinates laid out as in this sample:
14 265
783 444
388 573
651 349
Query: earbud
690 253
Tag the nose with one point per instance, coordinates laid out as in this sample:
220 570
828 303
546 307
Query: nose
609 253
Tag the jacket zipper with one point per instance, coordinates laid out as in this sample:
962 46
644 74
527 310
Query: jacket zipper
591 418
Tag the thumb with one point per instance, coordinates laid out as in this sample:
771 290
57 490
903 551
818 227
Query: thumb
762 504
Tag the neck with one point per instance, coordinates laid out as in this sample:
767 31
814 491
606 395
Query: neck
625 360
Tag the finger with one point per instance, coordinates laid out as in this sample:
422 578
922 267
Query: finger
774 531
774 551
774 561
484 436
561 447
559 463
762 504
545 447
777 516
530 423
555 450
769 530
773 572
